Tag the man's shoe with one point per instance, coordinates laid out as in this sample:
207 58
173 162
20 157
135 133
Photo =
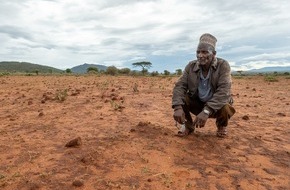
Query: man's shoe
222 132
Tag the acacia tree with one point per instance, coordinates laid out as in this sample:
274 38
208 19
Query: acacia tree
144 65
178 72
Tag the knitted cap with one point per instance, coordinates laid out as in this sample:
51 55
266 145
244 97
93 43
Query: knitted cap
208 39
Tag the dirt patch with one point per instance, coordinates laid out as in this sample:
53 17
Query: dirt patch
120 134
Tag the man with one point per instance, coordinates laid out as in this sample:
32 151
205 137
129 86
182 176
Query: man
204 89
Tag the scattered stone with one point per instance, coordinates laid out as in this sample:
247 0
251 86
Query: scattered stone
277 139
78 183
271 171
74 142
281 114
143 124
132 130
245 117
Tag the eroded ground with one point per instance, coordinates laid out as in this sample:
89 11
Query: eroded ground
127 134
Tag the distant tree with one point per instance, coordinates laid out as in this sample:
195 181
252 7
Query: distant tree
92 69
134 73
68 71
112 70
178 71
36 72
124 71
144 65
166 72
154 73
240 72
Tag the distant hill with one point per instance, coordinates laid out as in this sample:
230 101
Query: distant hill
266 70
83 68
25 67
271 69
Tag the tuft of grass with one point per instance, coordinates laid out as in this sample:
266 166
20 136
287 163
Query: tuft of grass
271 78
116 106
135 88
61 95
145 170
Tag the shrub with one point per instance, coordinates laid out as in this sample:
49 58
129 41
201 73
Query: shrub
271 78
112 70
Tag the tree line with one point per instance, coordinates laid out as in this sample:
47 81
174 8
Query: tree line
112 70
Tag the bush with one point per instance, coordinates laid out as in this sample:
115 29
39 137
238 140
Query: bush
112 70
154 73
271 78
124 71
92 70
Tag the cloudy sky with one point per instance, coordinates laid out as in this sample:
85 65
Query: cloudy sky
66 33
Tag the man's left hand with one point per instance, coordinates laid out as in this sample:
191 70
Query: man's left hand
200 120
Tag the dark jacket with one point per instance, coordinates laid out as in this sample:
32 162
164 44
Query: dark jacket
220 80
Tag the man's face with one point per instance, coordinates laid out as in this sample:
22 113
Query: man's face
204 54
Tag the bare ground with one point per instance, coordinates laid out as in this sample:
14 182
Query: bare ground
127 137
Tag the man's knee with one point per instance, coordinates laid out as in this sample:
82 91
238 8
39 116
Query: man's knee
224 114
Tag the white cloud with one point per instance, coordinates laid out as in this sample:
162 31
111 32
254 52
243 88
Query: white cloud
66 33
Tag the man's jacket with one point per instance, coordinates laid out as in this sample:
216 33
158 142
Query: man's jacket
220 80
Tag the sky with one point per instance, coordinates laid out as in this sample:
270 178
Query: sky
67 33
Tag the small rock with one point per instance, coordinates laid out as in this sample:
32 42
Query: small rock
41 114
132 130
30 102
245 117
281 114
74 142
149 180
78 183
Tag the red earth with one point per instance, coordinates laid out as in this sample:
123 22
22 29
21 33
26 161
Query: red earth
126 136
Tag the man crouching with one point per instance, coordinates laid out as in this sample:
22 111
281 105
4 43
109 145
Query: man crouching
204 89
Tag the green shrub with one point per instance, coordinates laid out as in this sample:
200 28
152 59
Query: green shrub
271 78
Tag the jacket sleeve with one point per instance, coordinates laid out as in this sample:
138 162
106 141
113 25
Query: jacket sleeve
180 88
222 94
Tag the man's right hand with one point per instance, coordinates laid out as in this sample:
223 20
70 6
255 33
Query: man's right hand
179 115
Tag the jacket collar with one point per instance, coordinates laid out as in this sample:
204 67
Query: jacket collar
213 65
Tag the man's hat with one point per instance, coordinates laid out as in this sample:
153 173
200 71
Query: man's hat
208 39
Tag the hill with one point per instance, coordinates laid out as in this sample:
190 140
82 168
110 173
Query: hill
266 70
83 68
25 67
271 69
